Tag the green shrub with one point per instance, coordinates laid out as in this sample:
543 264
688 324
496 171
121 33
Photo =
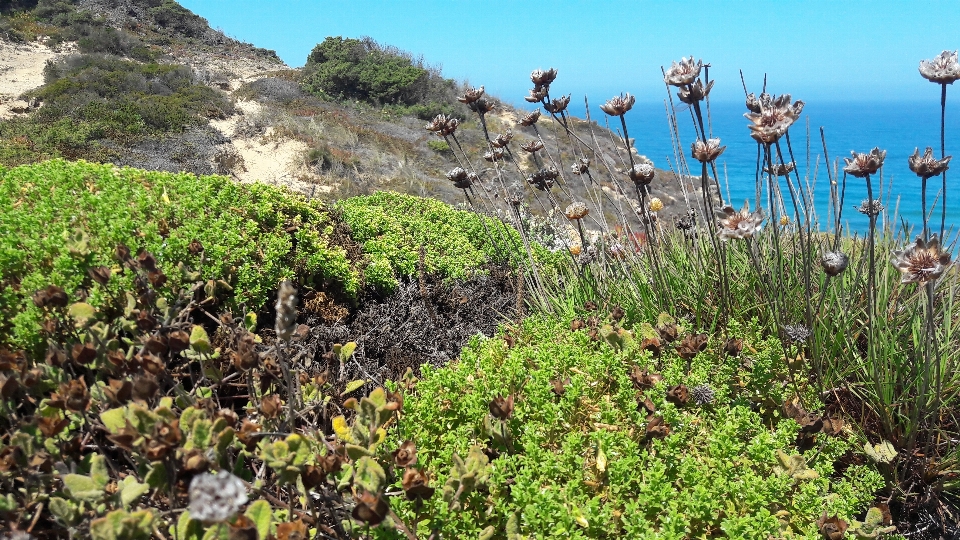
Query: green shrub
48 210
438 146
579 464
91 97
391 227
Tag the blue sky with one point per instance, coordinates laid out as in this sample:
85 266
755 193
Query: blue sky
814 49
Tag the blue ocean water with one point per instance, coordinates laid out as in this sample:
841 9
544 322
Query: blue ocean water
897 127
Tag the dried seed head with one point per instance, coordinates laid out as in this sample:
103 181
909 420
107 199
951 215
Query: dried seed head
784 220
642 173
834 262
216 498
557 105
536 95
481 106
580 166
695 92
286 308
860 165
796 333
943 69
502 408
406 455
540 77
742 224
921 261
51 297
703 394
707 151
493 155
530 119
414 484
927 166
733 346
775 117
515 195
870 208
456 174
533 146
503 139
684 72
619 105
753 104
576 210
471 95
780 169
543 179
656 205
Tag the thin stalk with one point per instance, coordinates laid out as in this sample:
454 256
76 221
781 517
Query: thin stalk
943 153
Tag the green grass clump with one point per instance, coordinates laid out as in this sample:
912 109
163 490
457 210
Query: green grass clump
581 464
391 227
60 219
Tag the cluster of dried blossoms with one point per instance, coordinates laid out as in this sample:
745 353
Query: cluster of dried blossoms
738 225
771 116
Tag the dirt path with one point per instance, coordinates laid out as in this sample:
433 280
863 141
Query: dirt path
21 69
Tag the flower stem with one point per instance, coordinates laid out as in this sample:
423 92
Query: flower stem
943 152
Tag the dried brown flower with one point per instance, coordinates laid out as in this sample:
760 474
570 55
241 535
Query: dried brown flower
536 95
471 95
530 119
576 210
557 105
780 169
642 173
72 396
695 92
691 345
100 274
927 166
195 247
543 179
643 379
943 69
481 106
657 428
406 455
753 104
733 346
270 406
678 395
742 224
502 408
832 528
834 262
293 530
774 119
533 146
580 166
443 125
493 155
860 165
414 484
684 72
51 297
707 151
370 508
921 261
286 308
619 105
502 139
540 77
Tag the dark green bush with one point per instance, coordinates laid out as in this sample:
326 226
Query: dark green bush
179 20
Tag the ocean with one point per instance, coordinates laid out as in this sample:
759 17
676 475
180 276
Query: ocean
897 127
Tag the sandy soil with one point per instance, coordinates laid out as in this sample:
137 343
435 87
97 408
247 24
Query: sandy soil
21 69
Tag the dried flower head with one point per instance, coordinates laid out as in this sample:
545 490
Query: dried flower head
471 95
707 151
540 77
515 195
834 262
691 345
493 155
943 69
406 455
481 106
753 104
557 105
921 261
678 395
742 224
414 484
530 119
656 205
784 220
580 166
927 166
536 95
796 333
286 307
502 408
870 208
684 72
733 346
502 139
370 508
533 146
52 296
774 119
216 498
642 173
438 123
780 169
702 394
576 210
860 165
456 174
695 92
543 179
618 105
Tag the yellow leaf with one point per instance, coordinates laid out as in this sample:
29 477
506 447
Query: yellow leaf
342 430
601 461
